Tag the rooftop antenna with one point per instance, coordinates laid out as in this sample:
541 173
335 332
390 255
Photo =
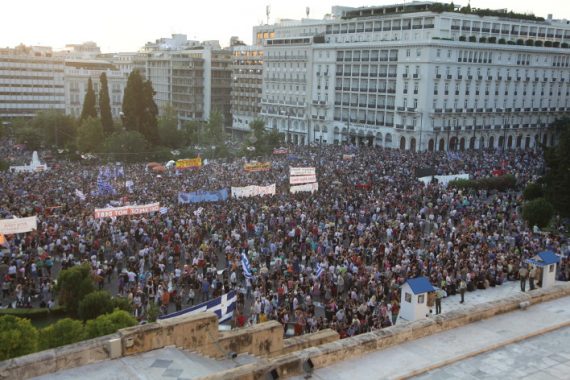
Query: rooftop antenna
307 11
267 12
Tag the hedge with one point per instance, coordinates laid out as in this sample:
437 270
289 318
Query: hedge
34 313
500 183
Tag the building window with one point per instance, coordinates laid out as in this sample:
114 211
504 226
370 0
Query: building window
408 297
421 298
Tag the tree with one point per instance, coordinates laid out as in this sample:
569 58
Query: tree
89 109
65 331
109 323
54 128
105 106
73 285
170 136
215 128
557 178
139 109
18 337
532 191
95 304
89 135
29 136
538 212
126 146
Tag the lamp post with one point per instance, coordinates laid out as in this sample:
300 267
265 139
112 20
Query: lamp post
421 128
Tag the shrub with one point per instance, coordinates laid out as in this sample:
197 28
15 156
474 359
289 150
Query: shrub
502 41
483 39
64 331
94 305
492 40
501 183
510 42
472 39
520 42
17 336
462 38
73 285
532 191
565 45
529 42
548 43
538 212
122 303
538 43
34 313
109 323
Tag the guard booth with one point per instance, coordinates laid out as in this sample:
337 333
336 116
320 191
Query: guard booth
545 264
414 299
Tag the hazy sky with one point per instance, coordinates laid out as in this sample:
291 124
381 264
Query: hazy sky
126 25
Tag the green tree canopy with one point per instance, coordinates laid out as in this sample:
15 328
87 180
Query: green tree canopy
105 106
126 146
94 304
109 323
65 331
89 109
73 285
17 336
538 212
139 109
90 135
170 135
48 128
215 129
557 179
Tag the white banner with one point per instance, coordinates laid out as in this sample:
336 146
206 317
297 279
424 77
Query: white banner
252 191
312 187
18 225
443 179
126 210
302 179
301 171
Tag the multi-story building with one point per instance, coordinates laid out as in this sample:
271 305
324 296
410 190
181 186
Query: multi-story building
194 78
247 79
417 76
77 73
31 80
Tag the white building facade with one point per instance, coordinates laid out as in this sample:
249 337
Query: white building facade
412 78
31 80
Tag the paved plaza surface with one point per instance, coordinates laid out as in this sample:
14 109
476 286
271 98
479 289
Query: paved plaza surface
166 363
543 357
403 360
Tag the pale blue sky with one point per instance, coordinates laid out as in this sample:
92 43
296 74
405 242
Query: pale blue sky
126 25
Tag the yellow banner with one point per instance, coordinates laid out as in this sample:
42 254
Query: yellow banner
189 163
257 167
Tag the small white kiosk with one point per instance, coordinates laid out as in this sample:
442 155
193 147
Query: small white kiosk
545 263
414 299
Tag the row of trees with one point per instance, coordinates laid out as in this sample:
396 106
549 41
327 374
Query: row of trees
19 337
91 313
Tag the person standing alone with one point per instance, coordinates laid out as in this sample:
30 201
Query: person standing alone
531 276
523 273
462 288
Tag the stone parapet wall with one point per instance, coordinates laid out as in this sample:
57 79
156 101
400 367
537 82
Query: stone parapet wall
291 364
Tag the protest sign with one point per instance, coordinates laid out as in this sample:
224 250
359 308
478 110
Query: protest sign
296 180
203 196
311 187
18 225
189 163
252 191
257 167
111 212
301 171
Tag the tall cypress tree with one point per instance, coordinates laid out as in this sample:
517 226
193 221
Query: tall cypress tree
105 106
88 103
139 109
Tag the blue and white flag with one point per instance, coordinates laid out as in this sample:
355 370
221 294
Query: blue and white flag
163 210
222 306
320 270
80 194
245 265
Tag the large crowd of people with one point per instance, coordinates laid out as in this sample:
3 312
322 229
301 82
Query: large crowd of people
335 258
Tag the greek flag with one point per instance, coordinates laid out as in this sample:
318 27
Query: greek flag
163 210
79 194
222 306
245 265
320 270
104 187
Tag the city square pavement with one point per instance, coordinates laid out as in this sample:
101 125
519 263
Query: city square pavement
405 360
